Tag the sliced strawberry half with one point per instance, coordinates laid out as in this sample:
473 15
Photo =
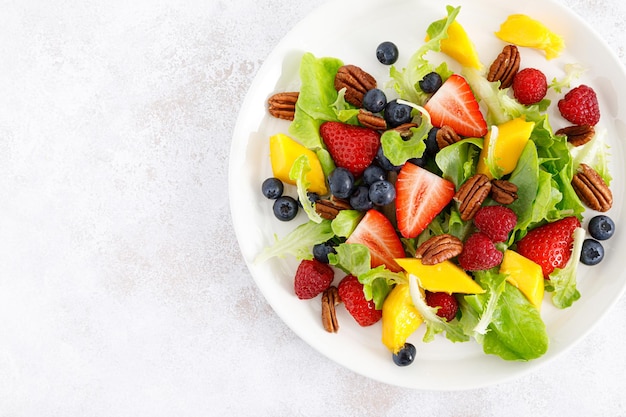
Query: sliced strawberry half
377 233
351 147
420 197
454 105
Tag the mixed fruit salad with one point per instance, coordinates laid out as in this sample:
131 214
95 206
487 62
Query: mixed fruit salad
438 198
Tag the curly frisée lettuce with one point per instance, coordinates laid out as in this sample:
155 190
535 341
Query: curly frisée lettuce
434 323
298 242
298 172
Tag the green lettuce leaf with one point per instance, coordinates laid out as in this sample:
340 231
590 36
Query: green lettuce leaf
298 172
458 161
354 259
516 331
299 242
346 221
406 81
316 99
562 282
434 323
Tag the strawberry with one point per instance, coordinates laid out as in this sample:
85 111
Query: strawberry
454 105
351 147
549 245
377 233
420 197
530 86
312 278
351 294
479 253
580 106
448 305
495 221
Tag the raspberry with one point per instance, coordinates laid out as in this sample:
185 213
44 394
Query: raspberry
448 306
351 293
580 106
312 278
479 253
530 86
495 221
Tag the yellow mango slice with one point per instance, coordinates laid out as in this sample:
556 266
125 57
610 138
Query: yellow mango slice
442 277
459 46
511 138
400 318
521 30
283 153
525 275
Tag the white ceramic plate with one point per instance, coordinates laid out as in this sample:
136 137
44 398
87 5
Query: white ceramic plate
351 30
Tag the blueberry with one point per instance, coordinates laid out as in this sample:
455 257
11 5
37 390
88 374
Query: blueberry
387 53
405 356
431 82
601 227
374 100
431 142
383 162
321 251
272 188
373 173
420 162
397 114
360 199
341 182
592 252
382 193
285 208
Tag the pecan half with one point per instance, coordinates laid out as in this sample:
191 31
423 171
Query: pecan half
370 120
329 209
505 66
405 129
446 136
330 298
577 135
356 82
438 249
591 189
471 195
503 191
283 105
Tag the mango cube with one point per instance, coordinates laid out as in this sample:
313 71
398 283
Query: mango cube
400 318
510 140
283 153
442 277
525 275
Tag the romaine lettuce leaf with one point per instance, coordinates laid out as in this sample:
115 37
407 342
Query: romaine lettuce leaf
516 330
458 161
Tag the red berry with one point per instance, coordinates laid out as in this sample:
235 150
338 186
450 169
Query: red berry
495 221
351 147
479 253
580 106
448 306
351 293
530 86
549 245
312 278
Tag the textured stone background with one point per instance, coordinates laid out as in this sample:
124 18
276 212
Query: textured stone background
122 288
